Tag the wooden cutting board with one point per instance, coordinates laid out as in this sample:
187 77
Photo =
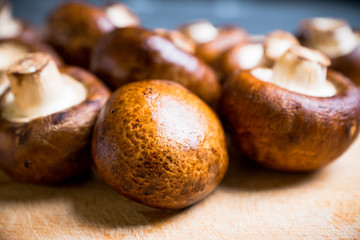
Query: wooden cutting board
251 203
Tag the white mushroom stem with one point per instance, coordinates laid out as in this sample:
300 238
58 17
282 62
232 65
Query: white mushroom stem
121 16
9 27
39 89
333 37
201 31
9 53
303 70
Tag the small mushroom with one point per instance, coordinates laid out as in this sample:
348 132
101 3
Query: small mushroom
74 28
46 121
297 116
11 28
134 54
263 52
212 41
14 49
336 39
157 143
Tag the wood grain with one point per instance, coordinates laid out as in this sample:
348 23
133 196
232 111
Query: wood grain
251 203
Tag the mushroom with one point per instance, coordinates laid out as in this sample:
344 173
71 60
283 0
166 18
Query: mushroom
11 28
158 144
14 49
74 28
263 52
297 116
46 121
336 39
134 54
212 41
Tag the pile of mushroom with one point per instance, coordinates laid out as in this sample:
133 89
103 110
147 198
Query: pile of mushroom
156 139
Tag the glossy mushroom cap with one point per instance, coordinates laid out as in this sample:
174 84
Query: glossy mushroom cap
134 54
291 129
157 143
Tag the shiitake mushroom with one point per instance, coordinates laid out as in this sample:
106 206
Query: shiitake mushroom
298 116
46 120
336 39
74 28
134 54
157 143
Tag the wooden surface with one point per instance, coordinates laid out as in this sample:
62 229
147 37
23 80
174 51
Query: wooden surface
251 203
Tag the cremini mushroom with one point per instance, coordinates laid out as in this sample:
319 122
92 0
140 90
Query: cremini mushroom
74 28
46 121
297 116
134 54
157 143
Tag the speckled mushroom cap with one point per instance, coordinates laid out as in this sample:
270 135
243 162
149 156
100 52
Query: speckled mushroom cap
289 131
157 143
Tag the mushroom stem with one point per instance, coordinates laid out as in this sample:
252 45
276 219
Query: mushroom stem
121 16
303 70
39 89
201 31
9 27
333 37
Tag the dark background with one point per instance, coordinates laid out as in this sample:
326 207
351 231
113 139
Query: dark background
257 16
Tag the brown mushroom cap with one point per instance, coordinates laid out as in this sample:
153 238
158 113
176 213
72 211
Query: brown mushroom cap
157 143
74 28
56 147
134 54
289 131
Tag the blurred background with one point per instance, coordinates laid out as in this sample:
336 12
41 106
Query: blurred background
257 16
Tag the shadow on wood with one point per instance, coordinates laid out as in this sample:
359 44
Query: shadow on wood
243 174
92 202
